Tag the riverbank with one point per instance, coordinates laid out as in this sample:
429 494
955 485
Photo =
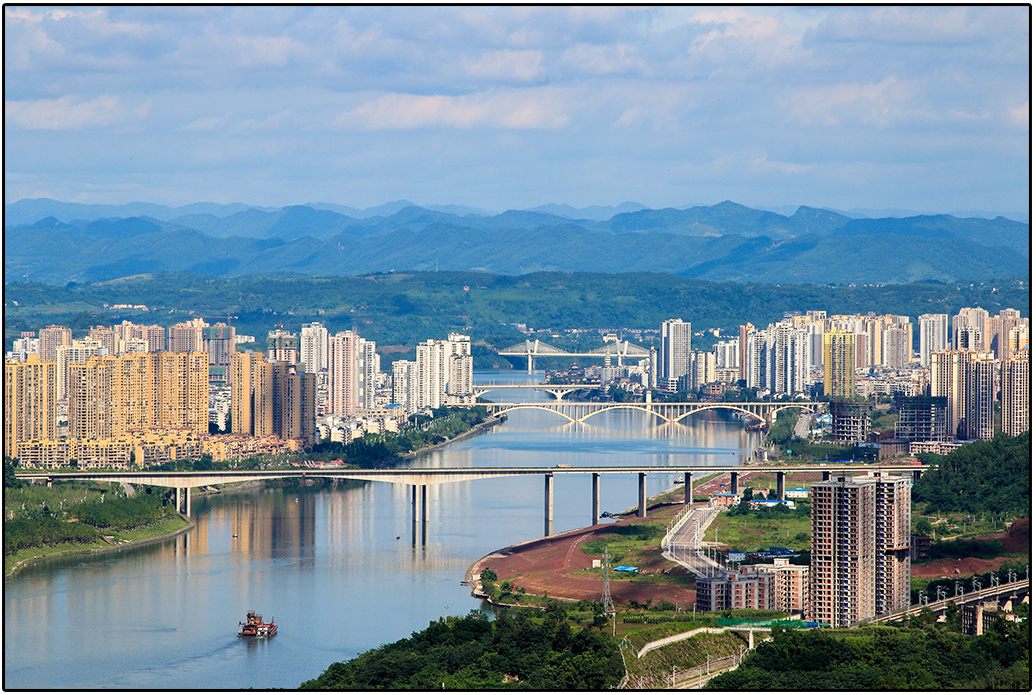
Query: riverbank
559 567
489 423
163 533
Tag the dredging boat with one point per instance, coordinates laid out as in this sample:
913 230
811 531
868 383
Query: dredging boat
255 627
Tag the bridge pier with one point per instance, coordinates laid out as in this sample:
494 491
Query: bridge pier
548 505
177 500
917 476
187 494
780 485
595 498
827 475
424 515
642 496
733 482
688 488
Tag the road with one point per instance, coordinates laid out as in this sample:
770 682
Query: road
802 425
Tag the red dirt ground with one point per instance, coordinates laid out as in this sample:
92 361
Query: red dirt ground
548 564
1016 540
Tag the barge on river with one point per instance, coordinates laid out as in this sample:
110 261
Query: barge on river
255 627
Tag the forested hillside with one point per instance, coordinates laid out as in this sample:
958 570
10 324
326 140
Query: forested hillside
472 653
405 308
929 657
985 476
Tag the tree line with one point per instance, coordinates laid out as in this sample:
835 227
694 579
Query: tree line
473 653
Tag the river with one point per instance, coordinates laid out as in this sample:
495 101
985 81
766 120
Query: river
337 568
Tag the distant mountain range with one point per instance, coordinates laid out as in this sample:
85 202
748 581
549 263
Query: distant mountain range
56 243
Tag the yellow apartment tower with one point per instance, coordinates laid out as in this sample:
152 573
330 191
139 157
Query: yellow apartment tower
30 396
109 396
839 364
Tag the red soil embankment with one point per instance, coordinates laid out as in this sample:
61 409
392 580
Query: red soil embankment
1017 539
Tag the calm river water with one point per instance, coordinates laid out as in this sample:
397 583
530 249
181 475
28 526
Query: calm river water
335 567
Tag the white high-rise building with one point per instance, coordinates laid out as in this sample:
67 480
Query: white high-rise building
949 378
898 346
367 371
933 335
76 353
674 353
314 344
702 369
980 397
444 372
972 317
728 354
404 384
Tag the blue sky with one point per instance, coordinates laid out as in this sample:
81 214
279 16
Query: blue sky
920 108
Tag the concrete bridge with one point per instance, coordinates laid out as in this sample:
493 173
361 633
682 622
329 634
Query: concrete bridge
961 597
763 412
556 390
531 349
420 478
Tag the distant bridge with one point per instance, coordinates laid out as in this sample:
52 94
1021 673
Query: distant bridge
531 349
669 412
420 478
557 390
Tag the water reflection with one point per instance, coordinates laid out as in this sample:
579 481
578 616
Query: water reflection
341 567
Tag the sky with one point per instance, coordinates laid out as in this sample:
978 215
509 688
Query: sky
916 108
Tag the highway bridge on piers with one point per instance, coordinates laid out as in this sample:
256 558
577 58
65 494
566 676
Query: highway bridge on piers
420 478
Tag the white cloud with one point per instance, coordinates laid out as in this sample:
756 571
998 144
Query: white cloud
843 104
539 108
523 66
209 123
1020 114
921 25
601 60
65 113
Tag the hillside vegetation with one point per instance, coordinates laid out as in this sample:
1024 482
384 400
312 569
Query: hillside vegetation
405 308
472 653
985 476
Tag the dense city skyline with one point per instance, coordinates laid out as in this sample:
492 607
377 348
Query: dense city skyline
517 107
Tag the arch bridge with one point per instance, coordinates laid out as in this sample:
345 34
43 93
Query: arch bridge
763 413
531 349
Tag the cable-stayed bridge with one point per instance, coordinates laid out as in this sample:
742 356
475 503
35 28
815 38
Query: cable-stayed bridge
531 349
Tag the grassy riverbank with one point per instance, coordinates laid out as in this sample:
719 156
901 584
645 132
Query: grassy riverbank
42 521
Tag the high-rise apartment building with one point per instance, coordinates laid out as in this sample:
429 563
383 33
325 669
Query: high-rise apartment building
30 398
404 384
949 379
702 369
282 346
108 338
791 585
921 418
219 342
1015 387
186 337
934 331
352 373
50 338
674 352
743 332
839 364
971 317
111 395
344 373
294 403
76 353
313 347
253 395
444 371
892 544
859 559
980 397
897 346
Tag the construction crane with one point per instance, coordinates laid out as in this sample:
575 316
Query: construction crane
227 317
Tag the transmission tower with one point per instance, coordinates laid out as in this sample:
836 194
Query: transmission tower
606 597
